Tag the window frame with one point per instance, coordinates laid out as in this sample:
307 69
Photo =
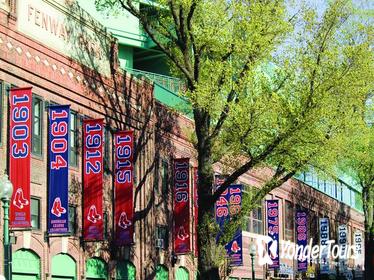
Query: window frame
105 224
2 90
38 199
161 228
75 221
165 176
37 98
289 232
251 219
75 131
107 148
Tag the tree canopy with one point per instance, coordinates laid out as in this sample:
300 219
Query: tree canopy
269 85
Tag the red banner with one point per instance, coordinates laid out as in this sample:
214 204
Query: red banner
123 185
20 149
181 206
93 179
195 208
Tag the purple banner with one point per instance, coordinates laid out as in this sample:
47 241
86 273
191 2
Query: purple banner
58 165
272 207
301 221
227 205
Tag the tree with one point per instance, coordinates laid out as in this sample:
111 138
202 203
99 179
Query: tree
267 87
358 162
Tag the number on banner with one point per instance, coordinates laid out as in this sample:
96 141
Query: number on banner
58 163
222 201
124 176
222 212
93 167
59 115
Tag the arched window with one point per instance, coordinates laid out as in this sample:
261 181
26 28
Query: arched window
125 271
96 268
162 273
182 274
64 267
25 265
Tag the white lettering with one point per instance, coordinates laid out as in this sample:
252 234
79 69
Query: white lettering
309 252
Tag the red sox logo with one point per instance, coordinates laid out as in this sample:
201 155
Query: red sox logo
57 209
19 201
93 216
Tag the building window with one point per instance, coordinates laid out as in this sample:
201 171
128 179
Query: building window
1 110
73 157
162 237
289 221
73 219
255 221
107 141
105 222
37 125
313 227
165 177
157 176
35 213
353 199
341 188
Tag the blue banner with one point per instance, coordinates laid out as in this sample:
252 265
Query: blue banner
301 220
234 249
58 166
229 204
324 236
272 210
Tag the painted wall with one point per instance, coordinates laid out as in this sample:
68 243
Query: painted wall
124 26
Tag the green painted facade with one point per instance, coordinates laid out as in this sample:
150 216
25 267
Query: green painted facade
25 265
182 274
63 267
125 271
96 269
136 51
162 273
125 55
172 100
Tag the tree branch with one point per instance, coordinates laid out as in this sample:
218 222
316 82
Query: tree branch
128 6
247 166
236 221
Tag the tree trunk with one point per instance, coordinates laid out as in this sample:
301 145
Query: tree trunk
206 233
368 205
369 256
211 274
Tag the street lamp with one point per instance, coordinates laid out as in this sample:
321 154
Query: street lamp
6 189
252 253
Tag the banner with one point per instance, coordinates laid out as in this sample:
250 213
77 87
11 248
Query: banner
93 179
58 167
19 161
343 244
359 250
195 208
181 206
222 205
229 204
324 235
302 238
272 207
123 186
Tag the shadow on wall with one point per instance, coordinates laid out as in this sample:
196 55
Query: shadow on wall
128 104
